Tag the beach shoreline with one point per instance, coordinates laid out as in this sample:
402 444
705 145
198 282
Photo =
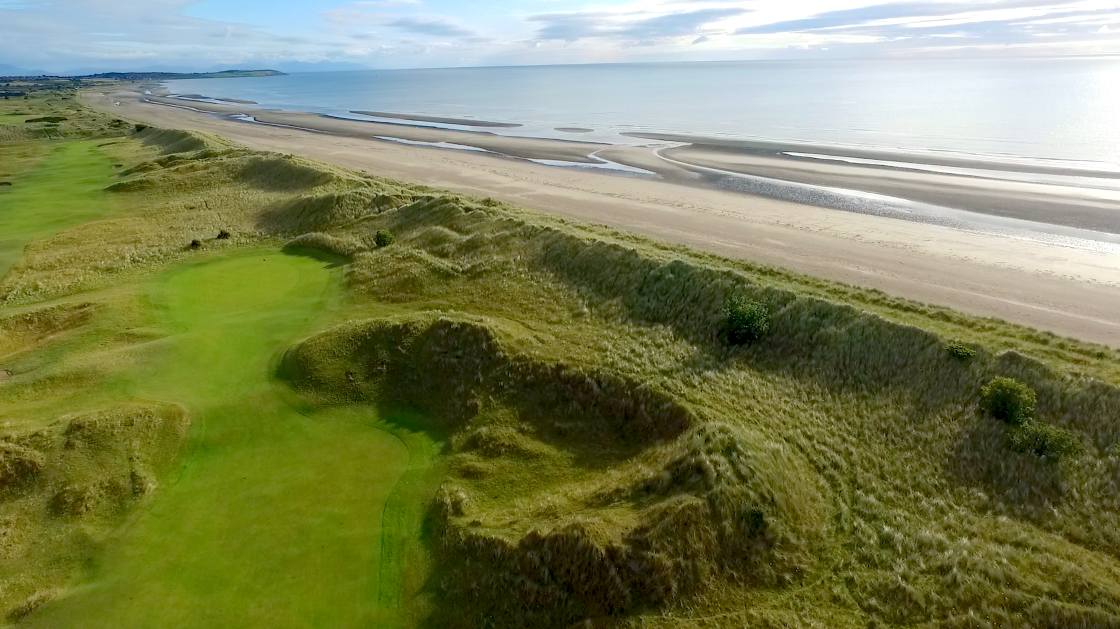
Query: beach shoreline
1033 192
1064 290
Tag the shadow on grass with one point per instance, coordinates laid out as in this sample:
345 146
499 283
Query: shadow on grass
332 261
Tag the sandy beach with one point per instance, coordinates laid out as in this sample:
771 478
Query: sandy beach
1065 290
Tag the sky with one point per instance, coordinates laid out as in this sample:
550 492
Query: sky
62 35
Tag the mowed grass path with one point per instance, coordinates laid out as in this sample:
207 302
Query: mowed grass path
67 189
275 517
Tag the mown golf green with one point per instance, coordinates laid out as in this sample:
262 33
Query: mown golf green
275 517
64 191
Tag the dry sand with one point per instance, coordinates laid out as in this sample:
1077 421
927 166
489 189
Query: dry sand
1067 291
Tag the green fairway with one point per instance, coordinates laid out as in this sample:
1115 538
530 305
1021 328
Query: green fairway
64 191
275 518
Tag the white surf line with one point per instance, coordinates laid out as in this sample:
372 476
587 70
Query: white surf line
1018 229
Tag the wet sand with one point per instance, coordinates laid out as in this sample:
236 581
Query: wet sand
1067 291
526 148
462 122
1096 209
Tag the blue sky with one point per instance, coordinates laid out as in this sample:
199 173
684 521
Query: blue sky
58 35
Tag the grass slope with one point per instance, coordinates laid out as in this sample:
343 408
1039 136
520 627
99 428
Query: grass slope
509 420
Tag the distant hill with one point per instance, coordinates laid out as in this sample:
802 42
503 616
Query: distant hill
168 76
298 67
9 70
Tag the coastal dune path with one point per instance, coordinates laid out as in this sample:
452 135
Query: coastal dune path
1068 291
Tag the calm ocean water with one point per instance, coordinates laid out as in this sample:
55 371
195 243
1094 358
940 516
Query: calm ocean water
1054 109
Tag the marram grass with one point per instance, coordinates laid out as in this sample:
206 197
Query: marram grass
589 447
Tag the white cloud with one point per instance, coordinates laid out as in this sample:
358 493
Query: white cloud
62 34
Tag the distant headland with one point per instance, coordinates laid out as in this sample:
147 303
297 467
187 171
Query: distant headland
171 76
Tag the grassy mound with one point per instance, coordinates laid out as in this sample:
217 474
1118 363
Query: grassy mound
876 410
71 481
749 511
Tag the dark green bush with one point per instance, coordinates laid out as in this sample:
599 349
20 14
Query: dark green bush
195 244
1008 400
223 235
383 239
1044 440
141 127
960 352
747 321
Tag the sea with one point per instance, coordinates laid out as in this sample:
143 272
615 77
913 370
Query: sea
1037 109
1051 113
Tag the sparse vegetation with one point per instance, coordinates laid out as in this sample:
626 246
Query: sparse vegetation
747 320
223 235
1009 400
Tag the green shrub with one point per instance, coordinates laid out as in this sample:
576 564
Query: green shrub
223 235
1044 440
1008 400
960 352
747 321
383 238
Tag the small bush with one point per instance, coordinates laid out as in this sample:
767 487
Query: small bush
1009 400
223 235
747 321
383 239
1044 440
195 244
141 127
960 352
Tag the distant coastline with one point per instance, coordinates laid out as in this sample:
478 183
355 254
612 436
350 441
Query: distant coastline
161 76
